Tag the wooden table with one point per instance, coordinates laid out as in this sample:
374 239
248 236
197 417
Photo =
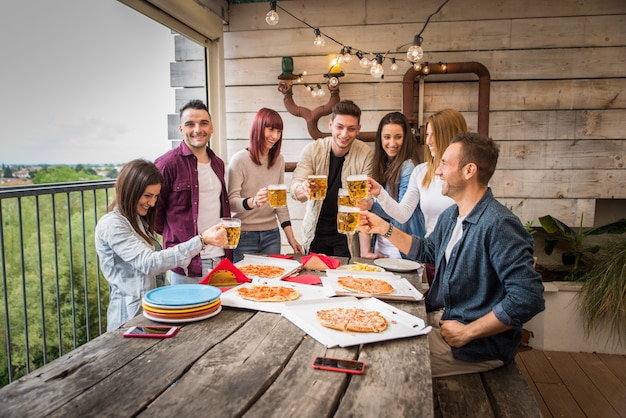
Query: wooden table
238 363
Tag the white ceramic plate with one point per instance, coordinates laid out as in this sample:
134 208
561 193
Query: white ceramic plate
397 264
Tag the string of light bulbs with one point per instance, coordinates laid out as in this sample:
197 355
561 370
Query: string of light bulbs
367 60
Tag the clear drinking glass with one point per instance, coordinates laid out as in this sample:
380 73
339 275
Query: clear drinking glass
277 195
233 231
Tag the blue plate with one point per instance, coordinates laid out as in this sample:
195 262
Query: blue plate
182 295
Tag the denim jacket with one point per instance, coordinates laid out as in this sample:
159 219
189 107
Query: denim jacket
490 269
415 224
131 265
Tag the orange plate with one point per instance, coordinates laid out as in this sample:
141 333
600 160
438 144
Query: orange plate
181 311
182 315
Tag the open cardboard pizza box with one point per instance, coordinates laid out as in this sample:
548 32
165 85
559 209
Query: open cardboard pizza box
290 266
400 324
402 288
307 292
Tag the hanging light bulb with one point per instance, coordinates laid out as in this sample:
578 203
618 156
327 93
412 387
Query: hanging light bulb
272 17
363 61
320 91
347 58
333 81
426 69
319 41
417 66
339 57
377 67
415 52
394 66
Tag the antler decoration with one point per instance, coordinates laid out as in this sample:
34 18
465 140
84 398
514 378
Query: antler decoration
310 116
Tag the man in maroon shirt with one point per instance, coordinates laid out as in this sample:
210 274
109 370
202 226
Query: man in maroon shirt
194 196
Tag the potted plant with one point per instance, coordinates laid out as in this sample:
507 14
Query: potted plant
574 258
586 313
602 298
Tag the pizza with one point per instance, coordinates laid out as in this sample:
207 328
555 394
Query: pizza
365 285
260 270
263 293
352 319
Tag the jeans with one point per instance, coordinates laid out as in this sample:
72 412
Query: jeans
257 242
207 265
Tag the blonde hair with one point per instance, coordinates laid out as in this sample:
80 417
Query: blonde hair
445 125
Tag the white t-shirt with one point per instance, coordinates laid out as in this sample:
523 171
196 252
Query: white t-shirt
432 201
209 207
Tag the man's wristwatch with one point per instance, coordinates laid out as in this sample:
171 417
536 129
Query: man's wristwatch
389 231
254 205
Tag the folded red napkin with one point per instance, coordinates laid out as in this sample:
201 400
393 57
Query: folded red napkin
315 261
224 274
304 279
285 256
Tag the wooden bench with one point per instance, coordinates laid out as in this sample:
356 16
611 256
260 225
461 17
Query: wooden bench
502 392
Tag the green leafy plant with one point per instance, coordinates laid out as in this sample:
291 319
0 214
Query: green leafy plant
603 294
574 241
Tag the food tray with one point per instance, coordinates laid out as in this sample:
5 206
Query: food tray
403 289
290 266
307 292
400 324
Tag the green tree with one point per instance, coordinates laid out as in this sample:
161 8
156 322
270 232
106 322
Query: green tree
61 174
7 172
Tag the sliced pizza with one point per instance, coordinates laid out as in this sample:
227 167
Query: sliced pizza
261 270
365 285
264 293
352 319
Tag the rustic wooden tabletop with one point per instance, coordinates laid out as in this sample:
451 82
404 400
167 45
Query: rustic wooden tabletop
238 363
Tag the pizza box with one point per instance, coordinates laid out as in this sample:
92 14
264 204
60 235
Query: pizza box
307 292
290 266
400 324
403 289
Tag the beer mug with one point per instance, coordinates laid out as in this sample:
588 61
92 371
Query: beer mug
233 231
347 219
318 185
277 195
357 186
343 198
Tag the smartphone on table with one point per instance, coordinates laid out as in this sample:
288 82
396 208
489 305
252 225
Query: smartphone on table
152 331
339 365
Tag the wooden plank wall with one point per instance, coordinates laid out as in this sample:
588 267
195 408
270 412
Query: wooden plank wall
558 81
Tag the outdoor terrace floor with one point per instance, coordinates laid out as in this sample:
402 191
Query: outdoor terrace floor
576 384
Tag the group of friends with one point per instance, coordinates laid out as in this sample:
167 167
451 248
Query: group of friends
477 253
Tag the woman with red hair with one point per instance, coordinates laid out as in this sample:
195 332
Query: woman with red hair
250 172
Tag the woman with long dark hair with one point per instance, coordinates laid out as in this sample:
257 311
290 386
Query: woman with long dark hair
131 258
395 157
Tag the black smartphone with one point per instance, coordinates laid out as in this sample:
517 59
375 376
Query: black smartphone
155 331
339 365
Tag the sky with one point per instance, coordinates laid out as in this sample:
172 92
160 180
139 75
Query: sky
87 85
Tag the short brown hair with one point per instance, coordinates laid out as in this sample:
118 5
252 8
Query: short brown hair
346 107
480 150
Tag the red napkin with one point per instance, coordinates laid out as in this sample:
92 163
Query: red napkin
329 262
224 274
304 279
285 256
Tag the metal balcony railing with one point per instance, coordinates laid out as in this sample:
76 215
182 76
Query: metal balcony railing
53 297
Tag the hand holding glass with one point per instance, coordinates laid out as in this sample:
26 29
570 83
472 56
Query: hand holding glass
347 219
233 231
318 185
357 186
277 195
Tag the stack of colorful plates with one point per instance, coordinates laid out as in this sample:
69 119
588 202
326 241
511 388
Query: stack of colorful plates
182 303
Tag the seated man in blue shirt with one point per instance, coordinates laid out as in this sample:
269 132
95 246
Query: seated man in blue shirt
485 286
